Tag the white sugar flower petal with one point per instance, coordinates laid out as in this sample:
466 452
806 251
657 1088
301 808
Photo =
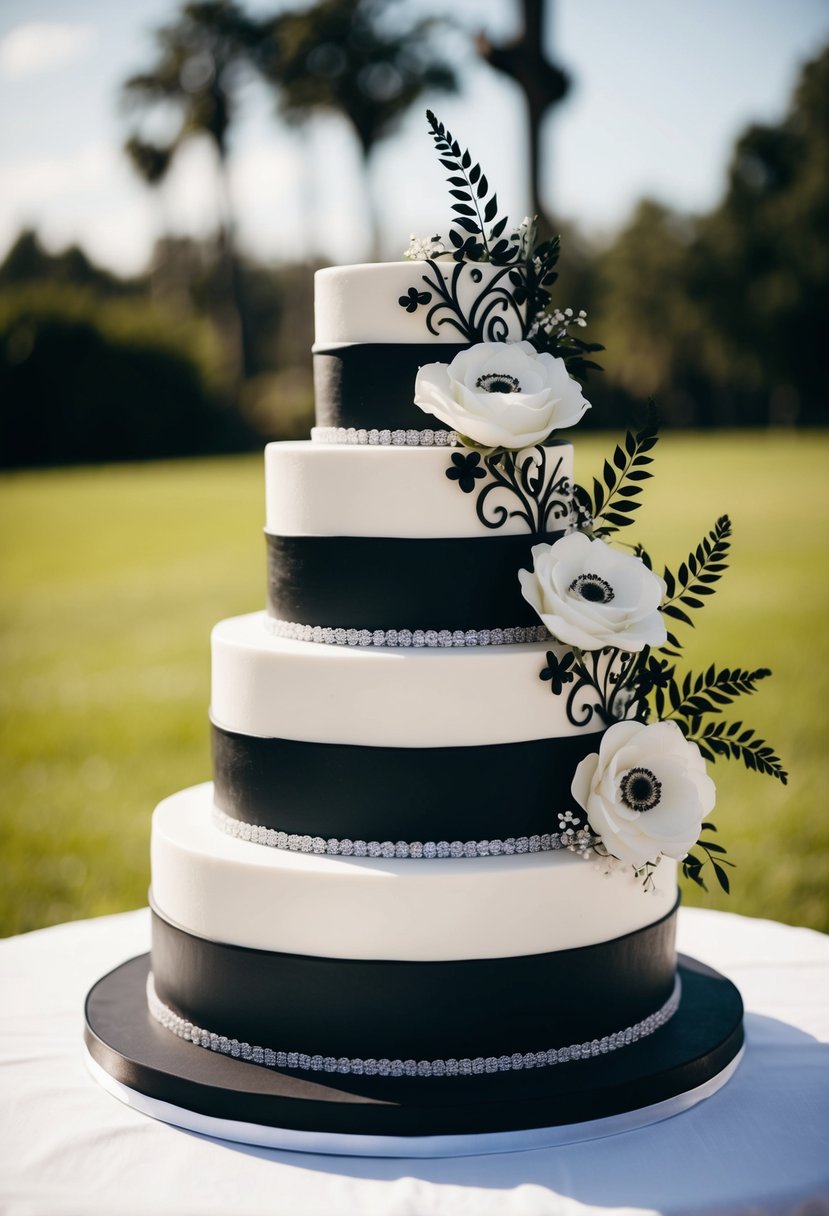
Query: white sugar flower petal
590 596
501 394
646 791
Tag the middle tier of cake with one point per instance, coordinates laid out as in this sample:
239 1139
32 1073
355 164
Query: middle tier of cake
464 746
383 541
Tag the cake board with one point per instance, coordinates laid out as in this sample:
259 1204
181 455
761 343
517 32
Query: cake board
167 1078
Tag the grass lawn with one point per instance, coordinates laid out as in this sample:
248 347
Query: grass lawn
113 577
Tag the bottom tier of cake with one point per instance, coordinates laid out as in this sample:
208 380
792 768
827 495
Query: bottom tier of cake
438 967
179 1081
404 1005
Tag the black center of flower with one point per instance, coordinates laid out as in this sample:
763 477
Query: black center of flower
640 789
498 382
591 587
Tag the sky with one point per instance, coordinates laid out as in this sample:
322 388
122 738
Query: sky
661 89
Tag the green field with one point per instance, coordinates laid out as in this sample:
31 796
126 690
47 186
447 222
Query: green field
113 577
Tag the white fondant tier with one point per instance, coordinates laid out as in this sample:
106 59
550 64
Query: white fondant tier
361 303
274 687
243 894
330 490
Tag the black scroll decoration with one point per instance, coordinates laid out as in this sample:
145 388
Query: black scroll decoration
540 499
608 675
488 318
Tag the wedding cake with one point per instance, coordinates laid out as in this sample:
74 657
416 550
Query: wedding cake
432 887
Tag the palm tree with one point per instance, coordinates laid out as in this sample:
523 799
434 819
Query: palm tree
201 57
347 57
543 84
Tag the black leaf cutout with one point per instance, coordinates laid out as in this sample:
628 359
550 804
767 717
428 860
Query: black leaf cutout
614 499
471 188
703 567
734 741
692 866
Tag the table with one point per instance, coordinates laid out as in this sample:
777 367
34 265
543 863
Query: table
760 1146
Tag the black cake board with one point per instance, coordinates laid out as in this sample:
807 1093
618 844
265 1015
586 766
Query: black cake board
168 1078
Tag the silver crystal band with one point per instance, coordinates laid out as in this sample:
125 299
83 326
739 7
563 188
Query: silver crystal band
407 850
409 1068
445 638
385 438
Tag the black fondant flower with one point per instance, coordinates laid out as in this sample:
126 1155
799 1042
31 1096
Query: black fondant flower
465 469
558 671
656 674
414 297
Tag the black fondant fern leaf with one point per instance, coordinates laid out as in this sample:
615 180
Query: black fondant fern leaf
692 866
615 496
703 567
474 208
734 741
708 692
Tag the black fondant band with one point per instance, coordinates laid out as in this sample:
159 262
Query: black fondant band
398 793
419 1010
371 385
698 1043
371 582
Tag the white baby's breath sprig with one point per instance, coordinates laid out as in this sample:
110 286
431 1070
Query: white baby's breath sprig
421 248
555 323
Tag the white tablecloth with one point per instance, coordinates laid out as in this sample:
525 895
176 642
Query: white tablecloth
759 1146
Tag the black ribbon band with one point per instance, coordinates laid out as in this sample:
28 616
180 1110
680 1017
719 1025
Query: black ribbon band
423 1010
371 385
403 793
370 582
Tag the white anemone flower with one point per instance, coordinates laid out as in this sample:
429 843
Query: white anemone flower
646 791
590 595
501 394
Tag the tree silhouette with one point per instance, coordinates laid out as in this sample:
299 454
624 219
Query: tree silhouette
543 84
201 57
722 316
761 264
347 57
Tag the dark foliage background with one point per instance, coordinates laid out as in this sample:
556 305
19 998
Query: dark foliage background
721 317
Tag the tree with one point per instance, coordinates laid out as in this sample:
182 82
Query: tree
542 82
201 57
358 59
760 267
722 317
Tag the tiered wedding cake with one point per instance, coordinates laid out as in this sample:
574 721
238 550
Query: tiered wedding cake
432 888
375 882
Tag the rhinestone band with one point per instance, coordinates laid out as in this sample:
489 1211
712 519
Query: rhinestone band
415 850
441 638
385 438
409 1068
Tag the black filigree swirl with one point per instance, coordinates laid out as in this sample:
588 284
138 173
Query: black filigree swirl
541 498
605 687
491 314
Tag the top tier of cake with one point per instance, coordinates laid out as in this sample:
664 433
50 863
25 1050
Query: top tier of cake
383 302
375 325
